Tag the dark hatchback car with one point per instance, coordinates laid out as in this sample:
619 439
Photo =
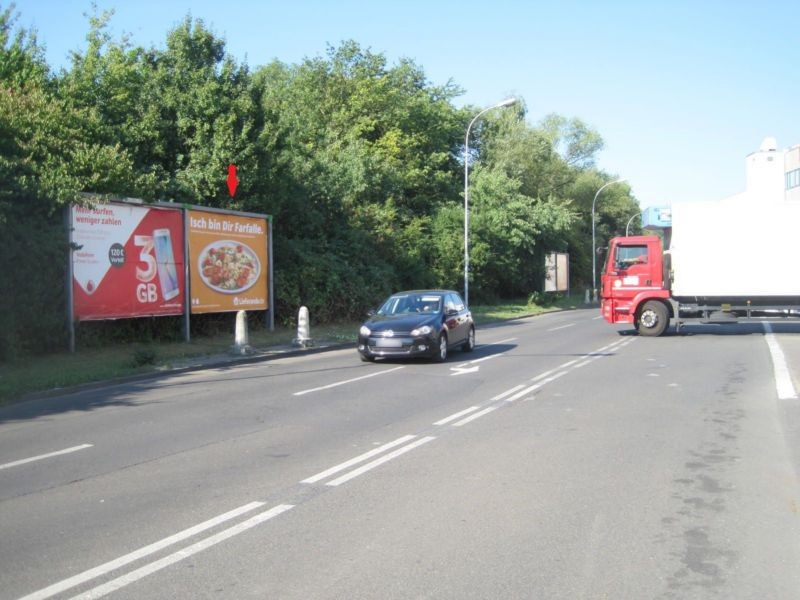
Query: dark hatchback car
417 323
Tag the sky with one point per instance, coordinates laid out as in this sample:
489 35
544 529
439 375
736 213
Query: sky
681 91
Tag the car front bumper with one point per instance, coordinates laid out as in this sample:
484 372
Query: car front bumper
397 347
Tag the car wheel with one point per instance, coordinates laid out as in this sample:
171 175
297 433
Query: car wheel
469 344
441 350
366 357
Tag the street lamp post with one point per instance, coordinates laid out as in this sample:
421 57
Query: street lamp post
594 247
630 221
505 103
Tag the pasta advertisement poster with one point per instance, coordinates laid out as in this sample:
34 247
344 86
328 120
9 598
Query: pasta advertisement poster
227 262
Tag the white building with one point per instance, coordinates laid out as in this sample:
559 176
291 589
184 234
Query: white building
792 168
772 175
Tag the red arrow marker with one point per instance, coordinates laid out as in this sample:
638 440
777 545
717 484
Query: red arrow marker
232 181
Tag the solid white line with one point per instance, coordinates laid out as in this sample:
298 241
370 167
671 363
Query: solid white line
491 356
338 383
783 378
500 342
458 415
377 462
153 567
562 327
66 584
16 463
357 459
477 415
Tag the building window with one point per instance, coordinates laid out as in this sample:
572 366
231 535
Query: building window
793 179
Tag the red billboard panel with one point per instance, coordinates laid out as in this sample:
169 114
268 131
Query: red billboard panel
128 261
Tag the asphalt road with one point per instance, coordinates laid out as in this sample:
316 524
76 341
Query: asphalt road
563 458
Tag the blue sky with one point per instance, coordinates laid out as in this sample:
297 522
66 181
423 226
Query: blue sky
681 91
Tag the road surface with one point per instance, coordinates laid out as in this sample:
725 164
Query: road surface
563 458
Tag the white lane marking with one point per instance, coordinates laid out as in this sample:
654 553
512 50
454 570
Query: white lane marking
507 392
457 415
783 378
477 415
490 357
133 576
562 327
546 373
16 463
357 459
66 584
500 342
338 383
595 318
463 370
379 461
525 392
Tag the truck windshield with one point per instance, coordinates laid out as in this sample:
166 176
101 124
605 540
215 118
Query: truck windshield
627 256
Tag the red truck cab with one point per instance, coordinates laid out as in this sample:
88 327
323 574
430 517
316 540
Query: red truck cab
633 286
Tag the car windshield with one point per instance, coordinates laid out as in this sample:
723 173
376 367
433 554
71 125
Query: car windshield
411 304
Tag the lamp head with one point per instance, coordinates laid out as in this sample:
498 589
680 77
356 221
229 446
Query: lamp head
506 102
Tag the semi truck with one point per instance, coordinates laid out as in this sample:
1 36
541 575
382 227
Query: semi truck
712 262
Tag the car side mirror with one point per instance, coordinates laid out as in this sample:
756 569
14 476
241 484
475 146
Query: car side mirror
450 312
371 313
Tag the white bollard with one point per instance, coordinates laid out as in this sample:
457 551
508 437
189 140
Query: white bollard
303 338
587 299
241 344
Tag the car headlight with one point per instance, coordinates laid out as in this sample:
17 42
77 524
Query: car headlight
364 331
424 330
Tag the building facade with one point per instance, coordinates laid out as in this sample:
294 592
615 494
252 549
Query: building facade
772 174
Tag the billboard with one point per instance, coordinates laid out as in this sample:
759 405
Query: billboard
556 266
127 261
228 262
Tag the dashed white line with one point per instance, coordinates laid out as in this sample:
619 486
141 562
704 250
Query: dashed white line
357 459
379 461
477 415
338 383
457 415
66 584
507 392
562 327
133 576
24 461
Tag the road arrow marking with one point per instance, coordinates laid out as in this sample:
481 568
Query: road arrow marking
462 370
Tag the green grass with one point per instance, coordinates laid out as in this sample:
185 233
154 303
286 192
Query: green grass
61 370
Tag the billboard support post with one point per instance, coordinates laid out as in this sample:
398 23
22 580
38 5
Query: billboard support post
271 299
187 305
70 299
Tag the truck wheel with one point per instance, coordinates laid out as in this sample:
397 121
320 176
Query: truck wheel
653 320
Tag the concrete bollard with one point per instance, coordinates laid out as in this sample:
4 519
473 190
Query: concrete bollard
303 338
587 299
241 344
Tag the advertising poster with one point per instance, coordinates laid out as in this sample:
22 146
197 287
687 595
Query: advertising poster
128 261
556 278
228 264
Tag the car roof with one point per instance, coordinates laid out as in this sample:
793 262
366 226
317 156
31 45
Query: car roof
424 292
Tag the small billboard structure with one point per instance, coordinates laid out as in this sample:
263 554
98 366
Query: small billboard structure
556 269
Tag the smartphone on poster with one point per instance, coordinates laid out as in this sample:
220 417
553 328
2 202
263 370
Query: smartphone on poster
165 258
